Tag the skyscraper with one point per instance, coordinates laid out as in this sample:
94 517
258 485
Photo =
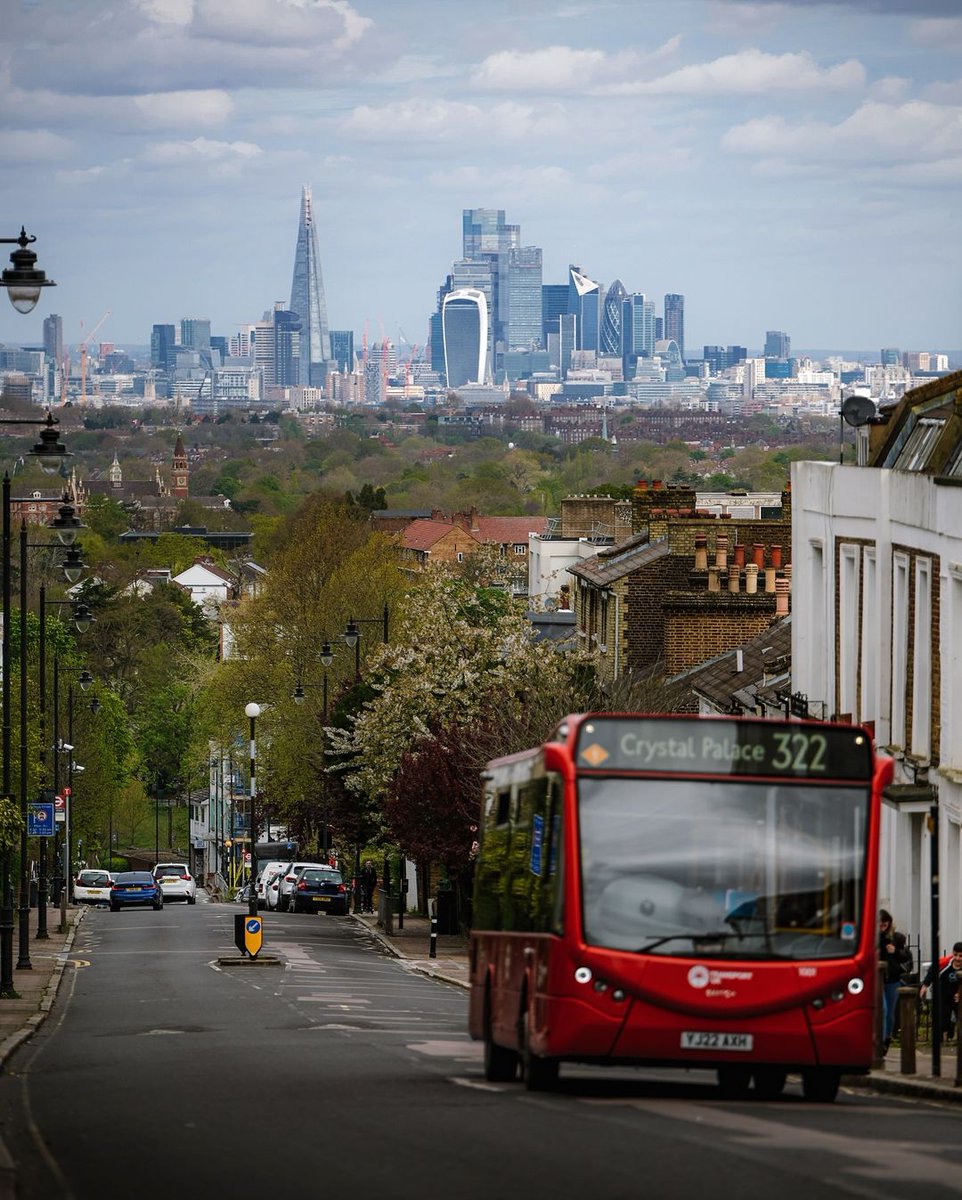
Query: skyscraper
522 322
674 326
307 298
342 348
638 326
53 338
611 335
464 320
777 344
195 335
163 347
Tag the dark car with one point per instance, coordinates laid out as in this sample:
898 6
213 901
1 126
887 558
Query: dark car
135 887
319 889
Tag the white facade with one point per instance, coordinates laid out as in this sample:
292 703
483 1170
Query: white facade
877 637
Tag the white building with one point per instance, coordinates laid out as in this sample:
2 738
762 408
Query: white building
877 630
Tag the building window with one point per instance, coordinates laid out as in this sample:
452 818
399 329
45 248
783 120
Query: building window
952 649
816 686
869 707
898 639
848 630
922 662
520 548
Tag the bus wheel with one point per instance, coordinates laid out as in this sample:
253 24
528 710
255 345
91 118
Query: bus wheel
820 1085
734 1082
769 1082
540 1074
500 1063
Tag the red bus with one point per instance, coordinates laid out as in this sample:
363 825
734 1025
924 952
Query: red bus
684 891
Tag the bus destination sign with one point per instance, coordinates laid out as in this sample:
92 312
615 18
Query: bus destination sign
718 747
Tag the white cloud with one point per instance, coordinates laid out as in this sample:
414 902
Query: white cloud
890 90
944 34
874 134
437 121
33 146
185 109
334 23
179 13
201 151
554 68
750 72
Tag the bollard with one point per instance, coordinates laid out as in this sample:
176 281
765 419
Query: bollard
433 953
907 1003
878 1053
957 1082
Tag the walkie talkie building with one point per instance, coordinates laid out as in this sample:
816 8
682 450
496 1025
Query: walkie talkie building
464 319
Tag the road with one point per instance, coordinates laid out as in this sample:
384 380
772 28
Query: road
162 1072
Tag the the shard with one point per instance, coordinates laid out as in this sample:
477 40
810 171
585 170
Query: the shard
307 298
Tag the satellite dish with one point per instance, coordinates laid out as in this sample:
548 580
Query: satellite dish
857 409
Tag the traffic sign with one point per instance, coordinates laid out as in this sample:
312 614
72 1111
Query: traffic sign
40 821
60 808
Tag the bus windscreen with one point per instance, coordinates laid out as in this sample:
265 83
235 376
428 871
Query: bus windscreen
737 868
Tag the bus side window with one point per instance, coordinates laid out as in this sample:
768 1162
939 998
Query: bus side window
492 861
552 891
518 885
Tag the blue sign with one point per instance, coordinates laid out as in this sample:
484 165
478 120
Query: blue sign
40 821
537 841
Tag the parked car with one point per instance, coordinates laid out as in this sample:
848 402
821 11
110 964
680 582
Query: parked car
92 886
287 881
267 872
135 887
320 889
272 889
176 882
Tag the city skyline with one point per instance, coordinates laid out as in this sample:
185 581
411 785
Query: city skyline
783 166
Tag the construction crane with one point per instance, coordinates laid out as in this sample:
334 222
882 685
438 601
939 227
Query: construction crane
83 357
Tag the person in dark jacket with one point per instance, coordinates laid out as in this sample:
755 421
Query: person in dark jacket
368 878
896 957
950 979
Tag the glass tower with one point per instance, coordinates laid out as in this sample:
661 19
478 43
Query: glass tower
611 337
584 300
307 298
674 324
464 319
522 328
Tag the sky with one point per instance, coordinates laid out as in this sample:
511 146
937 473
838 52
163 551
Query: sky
793 165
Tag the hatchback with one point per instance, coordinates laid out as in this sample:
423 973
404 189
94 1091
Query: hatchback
319 889
267 871
92 886
286 883
176 882
135 887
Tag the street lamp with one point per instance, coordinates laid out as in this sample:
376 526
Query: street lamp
352 636
23 281
252 712
49 450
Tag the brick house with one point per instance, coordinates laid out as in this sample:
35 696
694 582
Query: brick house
440 538
685 587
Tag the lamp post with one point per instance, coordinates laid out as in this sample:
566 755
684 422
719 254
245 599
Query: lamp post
352 636
50 454
252 712
23 280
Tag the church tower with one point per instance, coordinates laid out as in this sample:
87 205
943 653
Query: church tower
115 475
180 470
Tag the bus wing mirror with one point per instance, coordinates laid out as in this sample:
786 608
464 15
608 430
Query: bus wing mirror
555 757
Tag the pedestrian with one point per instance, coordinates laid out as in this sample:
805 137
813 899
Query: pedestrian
368 879
896 957
950 978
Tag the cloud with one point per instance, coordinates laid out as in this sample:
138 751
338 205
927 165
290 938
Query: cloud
281 22
33 146
906 8
202 152
184 109
451 121
875 134
554 68
750 72
943 35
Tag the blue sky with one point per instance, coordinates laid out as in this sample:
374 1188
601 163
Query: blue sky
793 165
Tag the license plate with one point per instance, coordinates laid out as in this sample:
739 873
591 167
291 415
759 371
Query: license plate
702 1040
322 899
96 891
135 889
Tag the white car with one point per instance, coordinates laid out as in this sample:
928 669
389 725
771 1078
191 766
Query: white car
267 872
176 882
92 886
287 881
